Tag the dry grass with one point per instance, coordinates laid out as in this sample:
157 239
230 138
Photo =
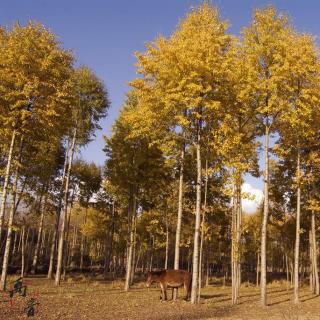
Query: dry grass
78 298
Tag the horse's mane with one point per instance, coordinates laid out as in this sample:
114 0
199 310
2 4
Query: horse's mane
157 273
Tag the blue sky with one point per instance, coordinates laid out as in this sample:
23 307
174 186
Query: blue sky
104 35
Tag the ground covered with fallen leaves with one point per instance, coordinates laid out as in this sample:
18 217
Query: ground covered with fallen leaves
81 297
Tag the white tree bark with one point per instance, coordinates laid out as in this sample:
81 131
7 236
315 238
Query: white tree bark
263 274
132 216
6 181
238 239
311 267
66 241
179 218
167 242
195 262
297 243
56 227
180 208
64 212
23 245
258 269
6 255
202 229
234 246
15 243
314 253
134 252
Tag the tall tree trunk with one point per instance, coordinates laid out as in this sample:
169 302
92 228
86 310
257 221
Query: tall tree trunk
64 213
180 208
30 245
36 252
258 269
20 194
134 252
43 242
112 256
15 243
6 255
82 242
314 253
297 243
233 248
291 273
167 242
238 234
263 276
207 272
52 253
67 246
179 218
20 239
195 262
56 229
236 237
83 238
6 181
202 228
109 253
131 216
47 243
27 238
74 243
23 231
311 267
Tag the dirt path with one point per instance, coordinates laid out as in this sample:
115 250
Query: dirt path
98 300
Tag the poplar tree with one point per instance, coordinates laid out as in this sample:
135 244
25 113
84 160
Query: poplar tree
297 123
135 166
35 73
90 104
265 45
187 70
234 141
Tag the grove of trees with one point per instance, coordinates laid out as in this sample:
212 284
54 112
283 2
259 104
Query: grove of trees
204 105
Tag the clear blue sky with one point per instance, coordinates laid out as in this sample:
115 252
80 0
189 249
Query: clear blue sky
105 33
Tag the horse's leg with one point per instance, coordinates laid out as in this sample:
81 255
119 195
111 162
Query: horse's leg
162 295
164 290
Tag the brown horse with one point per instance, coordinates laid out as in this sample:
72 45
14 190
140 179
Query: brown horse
171 279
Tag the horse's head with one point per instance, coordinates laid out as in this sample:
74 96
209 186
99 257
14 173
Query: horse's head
149 279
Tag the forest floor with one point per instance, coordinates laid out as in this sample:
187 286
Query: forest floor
82 298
